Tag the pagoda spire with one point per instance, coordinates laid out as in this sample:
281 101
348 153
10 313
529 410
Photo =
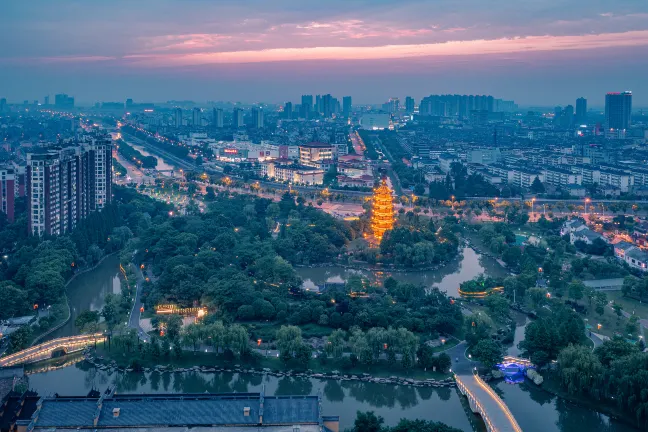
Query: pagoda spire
382 210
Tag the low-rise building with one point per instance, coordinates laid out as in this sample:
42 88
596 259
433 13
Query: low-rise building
298 174
632 255
175 412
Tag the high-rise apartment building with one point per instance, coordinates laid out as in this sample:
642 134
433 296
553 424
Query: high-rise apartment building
581 111
409 104
618 110
63 101
197 116
306 106
237 118
3 104
177 117
288 110
346 106
7 191
218 117
327 105
64 185
257 117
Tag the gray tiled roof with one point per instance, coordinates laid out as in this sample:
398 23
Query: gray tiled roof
180 410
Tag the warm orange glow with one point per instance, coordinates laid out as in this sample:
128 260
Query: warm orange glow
382 213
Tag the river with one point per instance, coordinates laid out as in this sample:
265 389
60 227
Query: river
534 409
162 165
466 267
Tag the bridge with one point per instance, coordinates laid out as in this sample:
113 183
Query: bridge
484 401
51 349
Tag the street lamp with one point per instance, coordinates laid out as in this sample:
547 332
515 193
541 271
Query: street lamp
587 201
532 212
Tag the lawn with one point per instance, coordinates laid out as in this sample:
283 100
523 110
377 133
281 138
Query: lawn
629 305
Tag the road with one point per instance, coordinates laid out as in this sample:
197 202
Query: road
134 317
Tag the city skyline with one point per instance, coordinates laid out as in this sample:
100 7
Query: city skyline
259 52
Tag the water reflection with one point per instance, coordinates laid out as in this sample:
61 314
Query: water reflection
162 165
550 413
341 398
466 267
88 292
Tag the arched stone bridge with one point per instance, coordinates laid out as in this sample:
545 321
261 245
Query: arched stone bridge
484 401
53 348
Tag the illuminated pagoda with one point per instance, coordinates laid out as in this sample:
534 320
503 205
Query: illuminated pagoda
382 212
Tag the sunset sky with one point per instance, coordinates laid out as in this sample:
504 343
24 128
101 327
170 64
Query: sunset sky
535 52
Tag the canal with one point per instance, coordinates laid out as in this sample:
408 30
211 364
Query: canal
533 408
466 267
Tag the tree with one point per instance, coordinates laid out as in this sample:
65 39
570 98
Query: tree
110 310
174 324
289 339
335 343
86 318
498 307
614 349
537 296
581 371
443 362
14 300
618 310
576 289
406 425
488 352
20 339
632 326
367 422
303 354
537 186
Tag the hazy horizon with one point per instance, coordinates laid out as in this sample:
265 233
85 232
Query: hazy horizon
536 53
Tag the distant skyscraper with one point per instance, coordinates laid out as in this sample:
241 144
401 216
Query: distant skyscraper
46 100
346 106
288 110
326 105
63 101
129 103
257 118
197 116
237 118
3 104
177 117
567 118
218 117
306 106
618 109
581 111
318 104
409 104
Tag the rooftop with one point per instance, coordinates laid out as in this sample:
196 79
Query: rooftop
187 410
316 144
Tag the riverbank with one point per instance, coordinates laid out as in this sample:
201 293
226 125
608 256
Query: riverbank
60 324
551 385
209 363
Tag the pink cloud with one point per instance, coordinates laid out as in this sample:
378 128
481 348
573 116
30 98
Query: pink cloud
395 51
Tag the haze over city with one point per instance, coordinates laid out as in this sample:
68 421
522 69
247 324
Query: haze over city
537 53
